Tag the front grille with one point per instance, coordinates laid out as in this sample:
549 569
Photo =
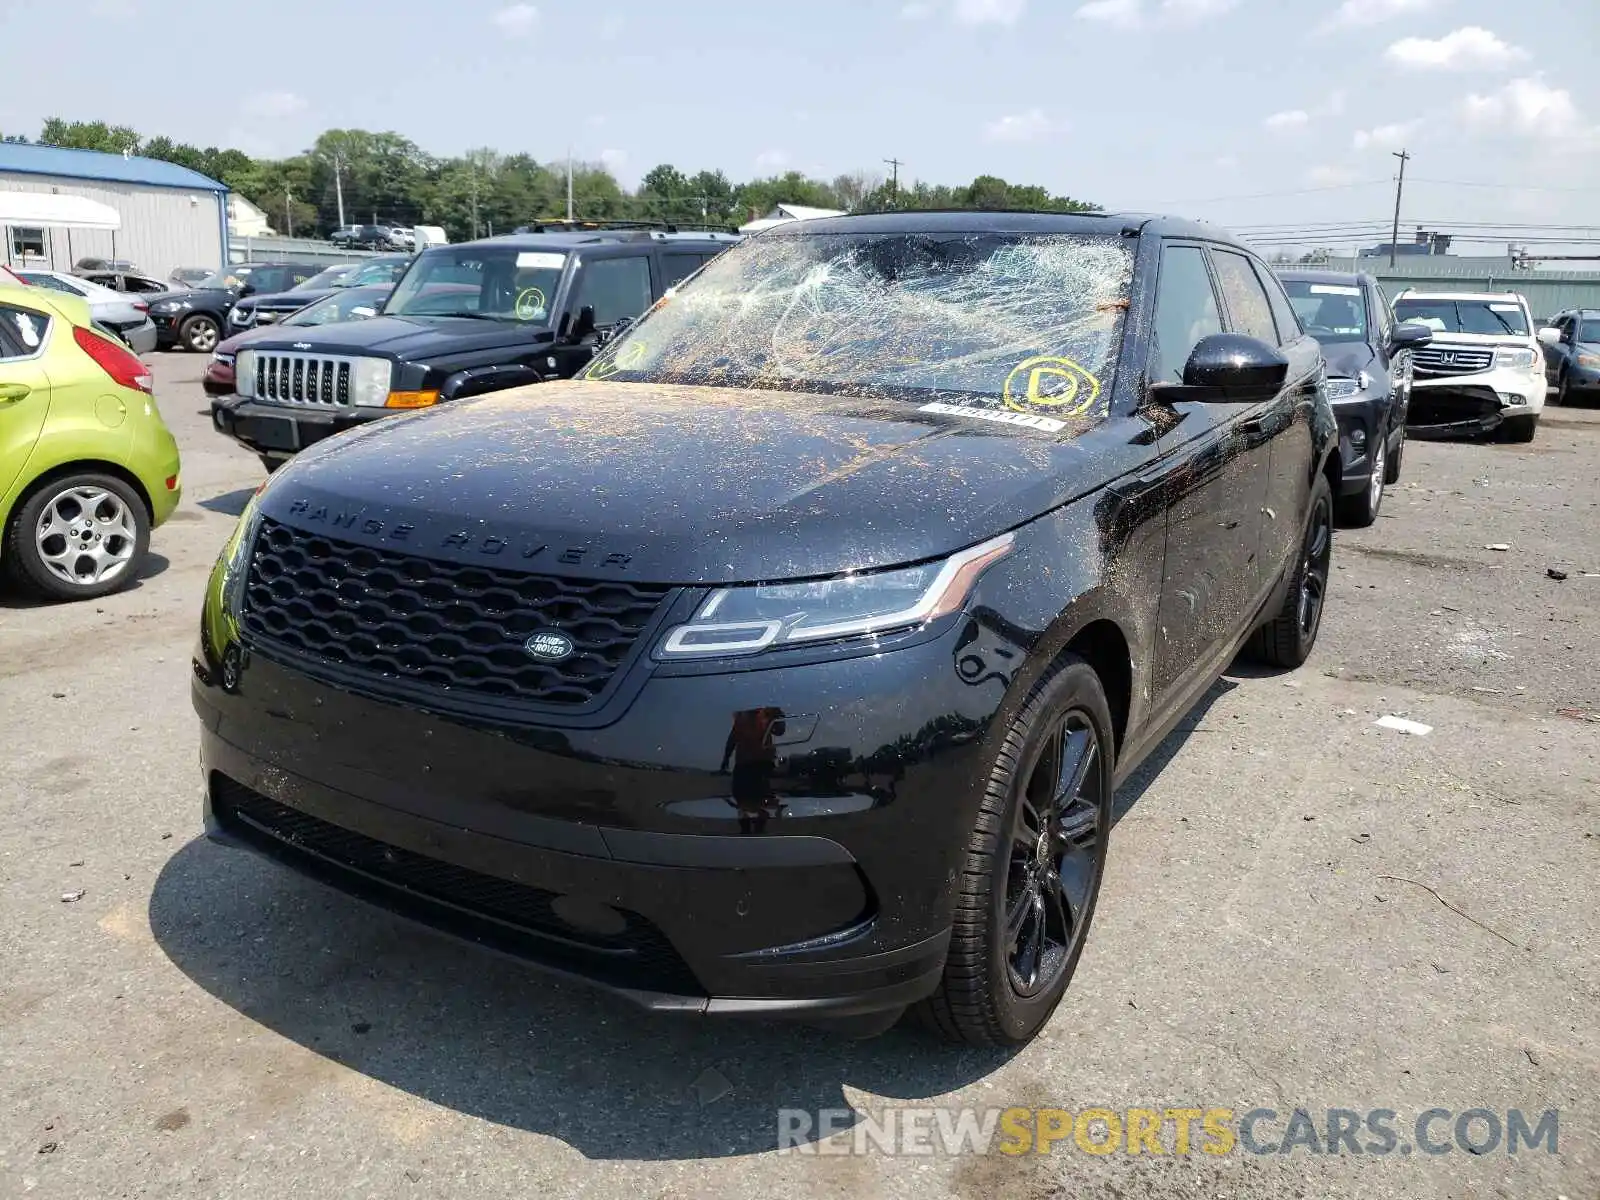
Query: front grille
1443 360
444 626
303 379
513 916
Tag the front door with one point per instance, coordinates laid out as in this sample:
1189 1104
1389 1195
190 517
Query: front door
1215 465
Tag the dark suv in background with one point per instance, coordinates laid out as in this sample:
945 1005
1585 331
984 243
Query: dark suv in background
1571 343
1369 378
266 307
465 319
195 318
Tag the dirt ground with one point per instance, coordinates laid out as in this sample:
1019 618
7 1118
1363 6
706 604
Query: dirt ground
1303 910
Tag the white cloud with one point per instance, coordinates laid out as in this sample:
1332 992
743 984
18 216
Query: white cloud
771 160
1385 137
1027 126
1526 106
518 20
990 12
1132 14
1330 176
1289 121
273 105
916 12
1353 14
1470 48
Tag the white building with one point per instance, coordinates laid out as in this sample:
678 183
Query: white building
171 216
785 213
245 220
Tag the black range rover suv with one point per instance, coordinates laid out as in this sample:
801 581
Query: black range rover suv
785 662
464 319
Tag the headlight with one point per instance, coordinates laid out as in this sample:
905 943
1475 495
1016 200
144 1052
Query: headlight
1592 361
747 620
244 373
1341 388
218 356
236 554
369 382
1515 359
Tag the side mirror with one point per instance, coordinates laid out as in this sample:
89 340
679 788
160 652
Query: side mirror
1550 335
583 327
1409 335
616 330
1230 368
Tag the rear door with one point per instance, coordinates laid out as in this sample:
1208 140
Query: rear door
1216 465
25 335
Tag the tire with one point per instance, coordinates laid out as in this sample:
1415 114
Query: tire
1520 428
1392 475
1361 510
102 513
1562 398
1003 882
200 334
1287 639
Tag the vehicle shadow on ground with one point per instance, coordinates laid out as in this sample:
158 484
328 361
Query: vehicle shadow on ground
15 596
230 504
489 1037
1134 787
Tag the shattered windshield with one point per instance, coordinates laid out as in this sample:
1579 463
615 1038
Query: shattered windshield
1022 324
1450 315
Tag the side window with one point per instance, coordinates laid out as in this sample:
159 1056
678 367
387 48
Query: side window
1382 319
1283 313
1248 309
678 267
51 282
1186 311
21 332
619 288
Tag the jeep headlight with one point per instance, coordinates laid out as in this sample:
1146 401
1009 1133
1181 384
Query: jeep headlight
738 621
244 373
369 382
1515 358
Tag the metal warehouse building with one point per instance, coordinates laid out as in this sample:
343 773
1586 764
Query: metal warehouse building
171 216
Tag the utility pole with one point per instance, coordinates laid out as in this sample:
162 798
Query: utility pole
288 209
338 184
472 164
894 181
1399 189
569 183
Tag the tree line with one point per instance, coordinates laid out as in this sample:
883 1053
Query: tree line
385 178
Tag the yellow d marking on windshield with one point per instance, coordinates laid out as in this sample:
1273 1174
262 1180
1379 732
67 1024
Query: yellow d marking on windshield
530 303
1058 384
630 356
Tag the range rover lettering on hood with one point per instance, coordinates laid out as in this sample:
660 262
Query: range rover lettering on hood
309 513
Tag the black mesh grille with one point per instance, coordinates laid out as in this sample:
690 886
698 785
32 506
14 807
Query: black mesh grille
512 916
439 624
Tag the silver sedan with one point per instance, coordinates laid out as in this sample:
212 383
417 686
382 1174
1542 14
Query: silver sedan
126 316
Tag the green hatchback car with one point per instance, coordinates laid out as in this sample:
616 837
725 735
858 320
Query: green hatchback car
87 466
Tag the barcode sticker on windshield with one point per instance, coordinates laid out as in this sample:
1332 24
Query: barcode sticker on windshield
540 260
1334 289
1504 308
1031 420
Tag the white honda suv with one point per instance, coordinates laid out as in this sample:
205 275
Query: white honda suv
1484 368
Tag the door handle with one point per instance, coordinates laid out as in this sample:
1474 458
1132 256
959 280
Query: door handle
10 393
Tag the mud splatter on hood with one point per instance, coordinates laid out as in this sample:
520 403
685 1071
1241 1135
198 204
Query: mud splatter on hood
677 484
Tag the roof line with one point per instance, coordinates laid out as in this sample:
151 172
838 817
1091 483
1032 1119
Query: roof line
210 185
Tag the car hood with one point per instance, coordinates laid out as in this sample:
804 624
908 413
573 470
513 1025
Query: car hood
196 295
1348 359
677 484
248 337
286 301
402 337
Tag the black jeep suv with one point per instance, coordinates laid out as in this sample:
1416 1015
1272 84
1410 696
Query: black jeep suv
465 319
787 660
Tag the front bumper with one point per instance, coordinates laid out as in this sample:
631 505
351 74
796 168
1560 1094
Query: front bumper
1477 403
278 430
818 884
1362 421
1583 383
167 326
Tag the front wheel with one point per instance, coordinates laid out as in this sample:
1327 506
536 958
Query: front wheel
1027 888
1361 510
78 537
200 334
1392 475
1287 639
1520 428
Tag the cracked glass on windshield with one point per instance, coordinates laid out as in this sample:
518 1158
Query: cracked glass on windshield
1027 324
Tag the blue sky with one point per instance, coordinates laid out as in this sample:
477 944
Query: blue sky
1196 106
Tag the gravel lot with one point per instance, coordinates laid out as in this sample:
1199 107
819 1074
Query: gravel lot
201 1024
